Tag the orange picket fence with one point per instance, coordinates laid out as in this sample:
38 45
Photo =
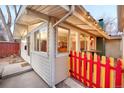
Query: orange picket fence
95 71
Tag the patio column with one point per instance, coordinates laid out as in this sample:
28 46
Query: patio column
77 41
52 51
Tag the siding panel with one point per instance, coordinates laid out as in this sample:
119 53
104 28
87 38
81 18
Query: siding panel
41 65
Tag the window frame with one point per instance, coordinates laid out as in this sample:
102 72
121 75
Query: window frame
68 40
38 31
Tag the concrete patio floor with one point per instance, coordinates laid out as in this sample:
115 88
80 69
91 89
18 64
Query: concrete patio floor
25 80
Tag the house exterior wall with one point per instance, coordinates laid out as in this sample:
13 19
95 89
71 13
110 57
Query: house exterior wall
113 48
24 53
41 61
41 66
61 64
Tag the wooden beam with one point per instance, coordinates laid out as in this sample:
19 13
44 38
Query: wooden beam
7 29
84 30
37 14
22 25
80 14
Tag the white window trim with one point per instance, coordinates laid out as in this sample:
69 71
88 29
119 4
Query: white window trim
38 30
64 53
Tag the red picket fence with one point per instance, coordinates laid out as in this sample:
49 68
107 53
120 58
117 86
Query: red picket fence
96 71
9 48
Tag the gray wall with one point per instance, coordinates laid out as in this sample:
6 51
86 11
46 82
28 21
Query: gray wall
113 48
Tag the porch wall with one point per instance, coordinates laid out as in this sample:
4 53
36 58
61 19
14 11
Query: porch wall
24 53
39 60
61 64
41 66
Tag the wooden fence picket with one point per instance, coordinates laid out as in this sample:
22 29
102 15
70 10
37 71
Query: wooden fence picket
91 72
118 77
88 68
94 71
107 73
82 66
85 71
112 83
103 61
71 64
75 64
98 69
94 68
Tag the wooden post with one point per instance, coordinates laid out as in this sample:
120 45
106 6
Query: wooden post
91 71
107 73
70 63
80 67
98 72
118 77
88 68
52 52
111 73
85 72
103 72
75 64
94 68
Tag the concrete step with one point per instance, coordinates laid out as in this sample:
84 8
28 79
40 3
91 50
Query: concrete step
72 83
14 69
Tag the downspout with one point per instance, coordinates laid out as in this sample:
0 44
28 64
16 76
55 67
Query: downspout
52 38
72 8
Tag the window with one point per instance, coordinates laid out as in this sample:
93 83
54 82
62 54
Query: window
73 41
92 43
62 38
36 41
83 42
41 40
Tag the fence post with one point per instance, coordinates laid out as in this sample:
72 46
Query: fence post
91 71
107 73
85 64
118 77
111 72
88 68
80 67
98 72
103 62
94 68
75 64
71 64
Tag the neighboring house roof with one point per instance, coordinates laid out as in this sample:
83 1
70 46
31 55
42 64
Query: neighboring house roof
117 37
80 18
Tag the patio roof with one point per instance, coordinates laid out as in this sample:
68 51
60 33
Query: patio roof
34 14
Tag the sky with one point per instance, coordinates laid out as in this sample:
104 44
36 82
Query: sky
109 15
98 11
102 11
3 8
